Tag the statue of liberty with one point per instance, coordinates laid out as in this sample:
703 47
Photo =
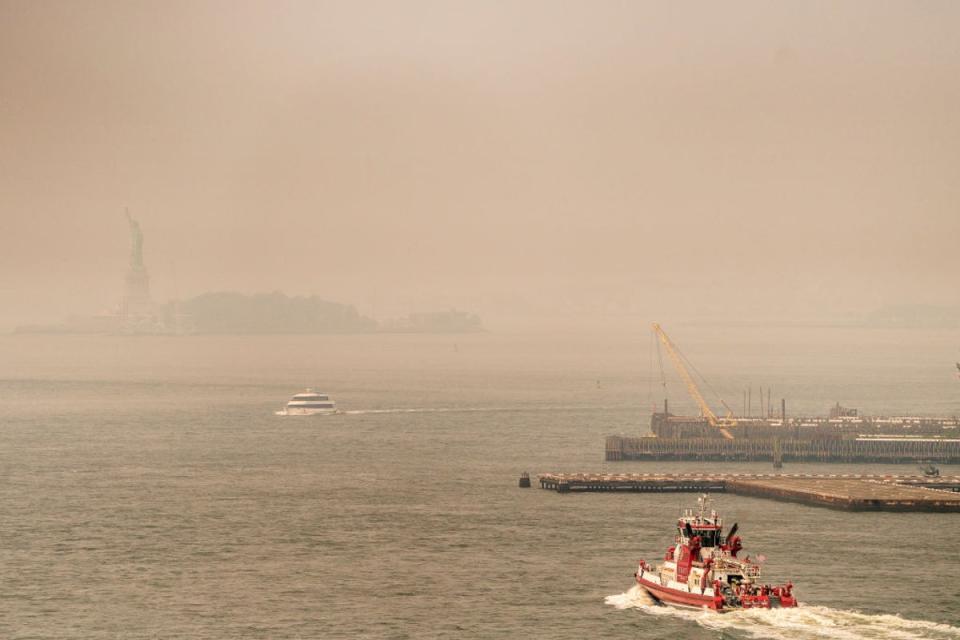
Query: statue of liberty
136 243
136 293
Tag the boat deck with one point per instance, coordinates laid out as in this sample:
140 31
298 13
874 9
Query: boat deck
850 492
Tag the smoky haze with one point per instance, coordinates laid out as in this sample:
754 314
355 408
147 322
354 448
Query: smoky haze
520 160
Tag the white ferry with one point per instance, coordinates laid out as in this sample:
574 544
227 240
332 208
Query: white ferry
309 403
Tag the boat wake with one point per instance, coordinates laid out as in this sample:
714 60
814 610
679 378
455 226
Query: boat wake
803 622
355 412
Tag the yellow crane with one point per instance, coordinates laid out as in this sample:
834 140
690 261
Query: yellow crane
692 389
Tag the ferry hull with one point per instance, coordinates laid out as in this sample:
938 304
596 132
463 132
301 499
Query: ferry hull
306 412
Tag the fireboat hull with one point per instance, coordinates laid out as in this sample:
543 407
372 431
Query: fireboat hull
679 598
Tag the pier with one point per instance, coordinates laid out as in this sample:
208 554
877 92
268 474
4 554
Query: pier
860 492
845 435
889 451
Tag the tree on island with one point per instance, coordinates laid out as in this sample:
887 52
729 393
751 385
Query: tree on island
230 312
235 313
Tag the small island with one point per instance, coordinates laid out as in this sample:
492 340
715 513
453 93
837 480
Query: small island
234 313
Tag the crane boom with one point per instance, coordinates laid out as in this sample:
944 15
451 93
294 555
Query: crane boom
692 388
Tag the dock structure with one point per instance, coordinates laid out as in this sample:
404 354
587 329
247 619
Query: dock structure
890 451
845 435
852 492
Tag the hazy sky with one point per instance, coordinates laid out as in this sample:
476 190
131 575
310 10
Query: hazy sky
512 158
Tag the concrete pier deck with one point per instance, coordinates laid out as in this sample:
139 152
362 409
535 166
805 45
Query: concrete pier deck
849 492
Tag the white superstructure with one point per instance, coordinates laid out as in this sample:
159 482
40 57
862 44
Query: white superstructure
308 403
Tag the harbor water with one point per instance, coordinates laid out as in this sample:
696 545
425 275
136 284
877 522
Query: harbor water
149 491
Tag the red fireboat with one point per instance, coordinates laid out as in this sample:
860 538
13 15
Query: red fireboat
703 570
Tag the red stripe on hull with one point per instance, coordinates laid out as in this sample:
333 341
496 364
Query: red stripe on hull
677 597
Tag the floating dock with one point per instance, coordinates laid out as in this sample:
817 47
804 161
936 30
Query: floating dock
849 492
